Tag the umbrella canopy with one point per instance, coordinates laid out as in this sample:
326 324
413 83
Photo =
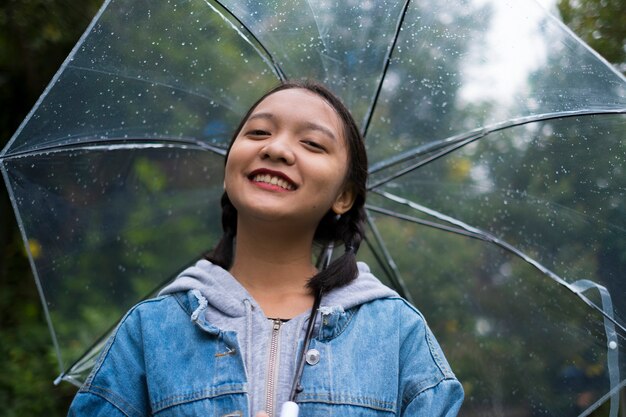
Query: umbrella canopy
497 190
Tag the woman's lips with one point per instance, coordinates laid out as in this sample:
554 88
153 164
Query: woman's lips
274 180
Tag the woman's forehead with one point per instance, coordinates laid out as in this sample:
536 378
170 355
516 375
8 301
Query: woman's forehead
298 105
296 101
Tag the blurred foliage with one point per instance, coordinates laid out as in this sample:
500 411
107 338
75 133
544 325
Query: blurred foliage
28 362
35 37
600 23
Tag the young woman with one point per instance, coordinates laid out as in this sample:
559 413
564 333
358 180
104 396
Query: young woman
231 336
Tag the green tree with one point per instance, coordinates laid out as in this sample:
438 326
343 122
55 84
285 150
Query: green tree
600 23
35 37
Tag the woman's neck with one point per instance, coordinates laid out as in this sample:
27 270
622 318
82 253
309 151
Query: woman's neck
275 266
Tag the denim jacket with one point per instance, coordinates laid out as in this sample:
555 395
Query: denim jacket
375 359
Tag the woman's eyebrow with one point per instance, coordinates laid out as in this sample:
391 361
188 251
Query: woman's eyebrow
261 116
307 125
320 128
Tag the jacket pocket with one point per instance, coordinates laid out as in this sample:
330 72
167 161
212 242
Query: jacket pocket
344 404
201 404
316 409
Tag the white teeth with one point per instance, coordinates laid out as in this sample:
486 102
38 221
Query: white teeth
269 179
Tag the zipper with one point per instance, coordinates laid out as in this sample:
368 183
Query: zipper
272 368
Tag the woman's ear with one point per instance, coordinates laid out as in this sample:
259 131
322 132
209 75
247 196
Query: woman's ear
344 200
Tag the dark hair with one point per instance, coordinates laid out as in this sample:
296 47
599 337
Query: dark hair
346 229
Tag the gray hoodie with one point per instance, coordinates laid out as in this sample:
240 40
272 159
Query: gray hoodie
227 305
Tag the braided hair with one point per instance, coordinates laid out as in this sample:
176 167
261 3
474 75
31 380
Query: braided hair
346 229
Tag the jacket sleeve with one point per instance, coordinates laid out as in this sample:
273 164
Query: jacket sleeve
428 385
444 399
117 383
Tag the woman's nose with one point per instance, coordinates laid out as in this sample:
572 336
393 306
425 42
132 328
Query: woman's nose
278 149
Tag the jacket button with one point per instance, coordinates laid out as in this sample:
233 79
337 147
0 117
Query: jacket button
312 356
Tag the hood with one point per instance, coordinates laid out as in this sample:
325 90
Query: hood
220 289
219 304
224 293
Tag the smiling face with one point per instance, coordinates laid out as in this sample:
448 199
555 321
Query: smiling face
289 161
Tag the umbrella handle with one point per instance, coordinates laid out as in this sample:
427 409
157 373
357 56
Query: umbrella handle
289 409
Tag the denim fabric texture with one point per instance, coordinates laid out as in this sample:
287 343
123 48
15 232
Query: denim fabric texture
376 359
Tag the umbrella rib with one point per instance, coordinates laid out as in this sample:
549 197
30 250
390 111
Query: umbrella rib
378 257
448 145
417 220
31 261
475 233
264 53
443 152
319 33
395 274
613 68
66 374
593 407
57 75
387 62
117 144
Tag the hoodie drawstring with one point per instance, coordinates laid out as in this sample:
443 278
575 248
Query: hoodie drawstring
203 303
248 307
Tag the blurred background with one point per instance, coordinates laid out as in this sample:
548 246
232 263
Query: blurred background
35 37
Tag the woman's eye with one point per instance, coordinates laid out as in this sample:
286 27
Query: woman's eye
258 132
314 145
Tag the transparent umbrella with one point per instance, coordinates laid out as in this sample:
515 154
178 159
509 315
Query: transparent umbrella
497 189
